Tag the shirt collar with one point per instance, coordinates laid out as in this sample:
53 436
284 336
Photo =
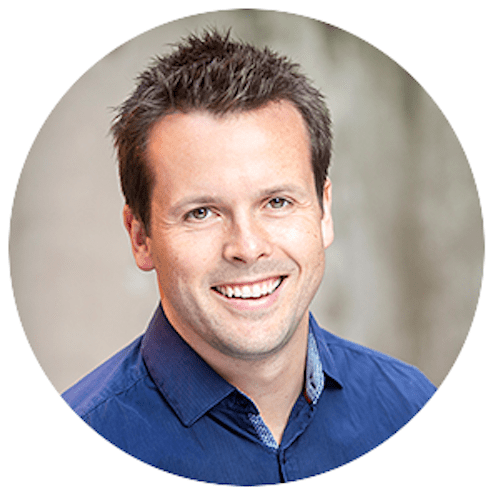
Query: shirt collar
326 356
192 387
186 381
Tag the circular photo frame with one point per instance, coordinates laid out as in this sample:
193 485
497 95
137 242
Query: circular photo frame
407 186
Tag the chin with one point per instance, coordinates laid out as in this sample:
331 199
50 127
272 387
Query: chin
246 347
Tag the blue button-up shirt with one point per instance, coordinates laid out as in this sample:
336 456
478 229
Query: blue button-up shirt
159 401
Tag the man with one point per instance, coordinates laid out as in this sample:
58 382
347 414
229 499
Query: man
223 152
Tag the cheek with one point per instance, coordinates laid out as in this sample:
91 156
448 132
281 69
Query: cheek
184 258
301 235
303 243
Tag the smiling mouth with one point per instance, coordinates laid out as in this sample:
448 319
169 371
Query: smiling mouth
250 290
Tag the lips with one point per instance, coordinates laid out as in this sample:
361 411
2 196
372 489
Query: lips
253 290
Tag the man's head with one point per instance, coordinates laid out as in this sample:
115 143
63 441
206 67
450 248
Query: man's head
214 74
234 228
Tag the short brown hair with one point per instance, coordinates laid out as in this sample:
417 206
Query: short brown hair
212 73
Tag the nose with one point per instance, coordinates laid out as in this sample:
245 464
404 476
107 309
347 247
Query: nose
247 241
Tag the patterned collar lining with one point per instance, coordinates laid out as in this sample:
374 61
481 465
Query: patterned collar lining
315 378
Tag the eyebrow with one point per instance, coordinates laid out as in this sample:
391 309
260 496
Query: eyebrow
194 201
203 199
285 188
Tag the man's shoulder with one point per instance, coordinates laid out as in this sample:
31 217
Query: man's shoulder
113 377
361 366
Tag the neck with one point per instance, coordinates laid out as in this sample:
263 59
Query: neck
273 384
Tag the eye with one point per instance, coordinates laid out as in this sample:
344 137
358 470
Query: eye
200 213
277 203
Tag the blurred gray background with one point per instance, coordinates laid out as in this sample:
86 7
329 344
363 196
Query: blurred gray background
403 274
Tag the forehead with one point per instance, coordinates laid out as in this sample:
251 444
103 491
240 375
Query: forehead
199 150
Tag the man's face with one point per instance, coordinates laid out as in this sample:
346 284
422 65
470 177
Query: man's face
237 235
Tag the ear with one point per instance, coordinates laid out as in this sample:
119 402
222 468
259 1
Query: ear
327 220
141 243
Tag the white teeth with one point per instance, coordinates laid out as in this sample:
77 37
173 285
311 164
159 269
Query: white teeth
249 291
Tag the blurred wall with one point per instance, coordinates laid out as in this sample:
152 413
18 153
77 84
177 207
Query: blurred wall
403 274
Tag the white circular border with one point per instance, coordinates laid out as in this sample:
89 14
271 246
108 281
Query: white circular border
483 295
